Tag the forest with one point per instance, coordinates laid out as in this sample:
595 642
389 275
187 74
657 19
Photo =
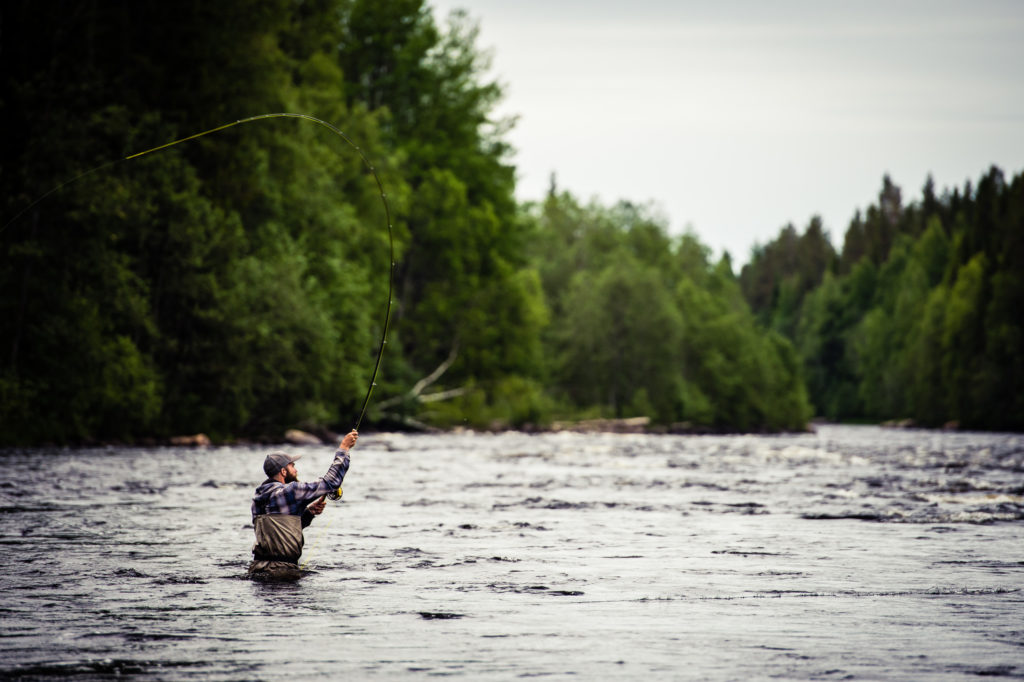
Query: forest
917 317
236 285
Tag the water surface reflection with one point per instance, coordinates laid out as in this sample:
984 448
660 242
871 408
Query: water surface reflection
851 552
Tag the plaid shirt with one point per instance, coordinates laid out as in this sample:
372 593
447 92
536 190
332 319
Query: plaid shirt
274 497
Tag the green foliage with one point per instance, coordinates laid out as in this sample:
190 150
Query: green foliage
621 332
781 273
643 324
510 402
741 377
921 316
236 284
464 251
226 285
963 338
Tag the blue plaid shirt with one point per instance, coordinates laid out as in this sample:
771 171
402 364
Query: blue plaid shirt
274 497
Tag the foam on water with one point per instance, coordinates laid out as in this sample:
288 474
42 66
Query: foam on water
854 552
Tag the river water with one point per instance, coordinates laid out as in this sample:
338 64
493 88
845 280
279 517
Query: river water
849 553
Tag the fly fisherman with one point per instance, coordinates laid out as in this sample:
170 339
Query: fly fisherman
282 507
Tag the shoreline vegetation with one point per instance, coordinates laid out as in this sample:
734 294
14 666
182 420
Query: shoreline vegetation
630 425
235 285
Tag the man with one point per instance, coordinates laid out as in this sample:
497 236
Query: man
282 507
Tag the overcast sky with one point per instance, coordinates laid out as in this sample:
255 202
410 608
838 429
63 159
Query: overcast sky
738 117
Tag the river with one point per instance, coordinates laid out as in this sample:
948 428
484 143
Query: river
849 553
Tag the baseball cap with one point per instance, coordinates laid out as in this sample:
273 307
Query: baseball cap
276 461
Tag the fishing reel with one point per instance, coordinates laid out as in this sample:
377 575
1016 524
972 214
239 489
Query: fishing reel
335 495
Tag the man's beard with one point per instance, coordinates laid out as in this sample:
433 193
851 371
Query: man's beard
289 478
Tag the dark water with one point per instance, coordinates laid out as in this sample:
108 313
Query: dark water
853 553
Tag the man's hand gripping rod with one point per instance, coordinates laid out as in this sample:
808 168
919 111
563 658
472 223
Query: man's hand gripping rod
347 443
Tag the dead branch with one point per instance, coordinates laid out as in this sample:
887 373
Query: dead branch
416 392
442 395
436 374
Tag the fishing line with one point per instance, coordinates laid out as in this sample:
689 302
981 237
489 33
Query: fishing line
366 162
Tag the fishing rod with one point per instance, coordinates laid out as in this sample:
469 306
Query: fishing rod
366 162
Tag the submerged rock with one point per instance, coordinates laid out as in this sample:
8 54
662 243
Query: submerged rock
899 424
199 440
297 437
630 425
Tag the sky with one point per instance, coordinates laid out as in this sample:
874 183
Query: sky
734 118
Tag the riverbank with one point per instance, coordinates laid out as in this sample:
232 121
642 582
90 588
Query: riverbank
631 425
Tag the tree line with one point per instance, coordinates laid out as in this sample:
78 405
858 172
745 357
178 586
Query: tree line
236 284
917 316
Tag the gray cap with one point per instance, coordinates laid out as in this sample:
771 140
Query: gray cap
276 461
